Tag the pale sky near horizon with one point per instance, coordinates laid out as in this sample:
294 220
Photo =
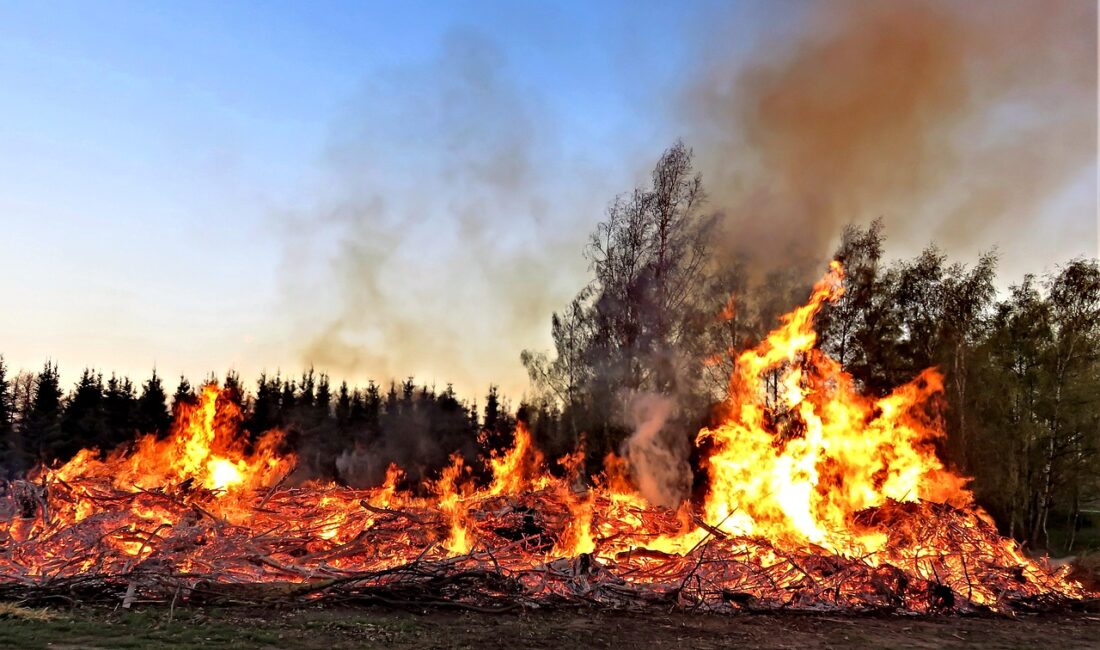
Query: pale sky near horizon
175 178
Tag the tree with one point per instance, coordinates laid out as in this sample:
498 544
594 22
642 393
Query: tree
641 322
42 426
84 417
288 400
8 443
967 297
152 415
861 328
372 408
324 398
1073 412
1035 432
496 425
305 396
648 258
120 407
265 413
233 390
343 406
562 379
7 399
1010 368
184 395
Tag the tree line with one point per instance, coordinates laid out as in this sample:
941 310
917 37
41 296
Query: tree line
334 430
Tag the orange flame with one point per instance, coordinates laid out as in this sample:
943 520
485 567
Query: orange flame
448 490
843 453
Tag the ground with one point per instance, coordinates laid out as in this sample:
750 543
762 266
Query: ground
334 628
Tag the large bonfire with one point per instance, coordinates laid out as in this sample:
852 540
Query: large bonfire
818 498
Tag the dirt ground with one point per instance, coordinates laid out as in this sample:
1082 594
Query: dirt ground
367 627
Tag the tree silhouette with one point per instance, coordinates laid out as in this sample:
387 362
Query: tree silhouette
184 395
152 408
42 426
9 444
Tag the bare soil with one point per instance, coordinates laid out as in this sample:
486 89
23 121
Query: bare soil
367 627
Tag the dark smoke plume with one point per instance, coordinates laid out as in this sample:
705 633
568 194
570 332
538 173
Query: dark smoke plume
954 121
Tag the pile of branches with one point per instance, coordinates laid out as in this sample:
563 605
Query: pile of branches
295 546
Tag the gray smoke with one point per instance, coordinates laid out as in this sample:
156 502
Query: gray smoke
658 457
450 225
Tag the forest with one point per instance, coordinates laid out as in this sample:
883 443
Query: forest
660 322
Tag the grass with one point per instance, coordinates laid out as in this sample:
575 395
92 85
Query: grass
348 627
129 630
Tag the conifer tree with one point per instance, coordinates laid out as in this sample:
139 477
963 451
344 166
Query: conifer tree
152 408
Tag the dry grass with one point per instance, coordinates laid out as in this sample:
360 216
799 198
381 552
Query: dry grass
18 612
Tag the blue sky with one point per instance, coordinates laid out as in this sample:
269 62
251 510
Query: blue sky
149 147
170 172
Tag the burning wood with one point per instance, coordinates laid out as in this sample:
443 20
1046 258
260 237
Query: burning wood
819 498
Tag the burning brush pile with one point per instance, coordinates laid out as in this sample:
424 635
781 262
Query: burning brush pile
818 498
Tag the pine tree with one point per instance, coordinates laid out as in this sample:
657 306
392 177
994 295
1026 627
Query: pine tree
343 406
120 406
7 399
305 390
233 390
324 398
184 395
84 416
42 428
391 400
357 415
287 401
496 424
152 408
265 414
372 409
8 444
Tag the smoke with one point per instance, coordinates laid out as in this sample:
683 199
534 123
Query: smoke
444 233
453 207
658 465
956 122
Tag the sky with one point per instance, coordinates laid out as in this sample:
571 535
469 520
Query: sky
381 189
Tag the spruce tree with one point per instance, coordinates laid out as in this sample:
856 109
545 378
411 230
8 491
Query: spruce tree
84 416
42 428
184 395
152 408
7 423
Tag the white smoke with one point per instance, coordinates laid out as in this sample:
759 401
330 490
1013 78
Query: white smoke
658 464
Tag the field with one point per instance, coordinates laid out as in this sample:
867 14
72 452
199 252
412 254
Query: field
335 628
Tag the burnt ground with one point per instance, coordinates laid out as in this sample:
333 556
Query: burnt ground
333 628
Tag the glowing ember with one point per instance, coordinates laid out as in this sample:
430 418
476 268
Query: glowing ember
818 497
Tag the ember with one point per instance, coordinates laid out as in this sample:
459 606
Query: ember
819 498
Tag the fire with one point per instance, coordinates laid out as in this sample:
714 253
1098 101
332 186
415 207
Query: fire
513 470
223 474
802 470
204 447
451 504
817 496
